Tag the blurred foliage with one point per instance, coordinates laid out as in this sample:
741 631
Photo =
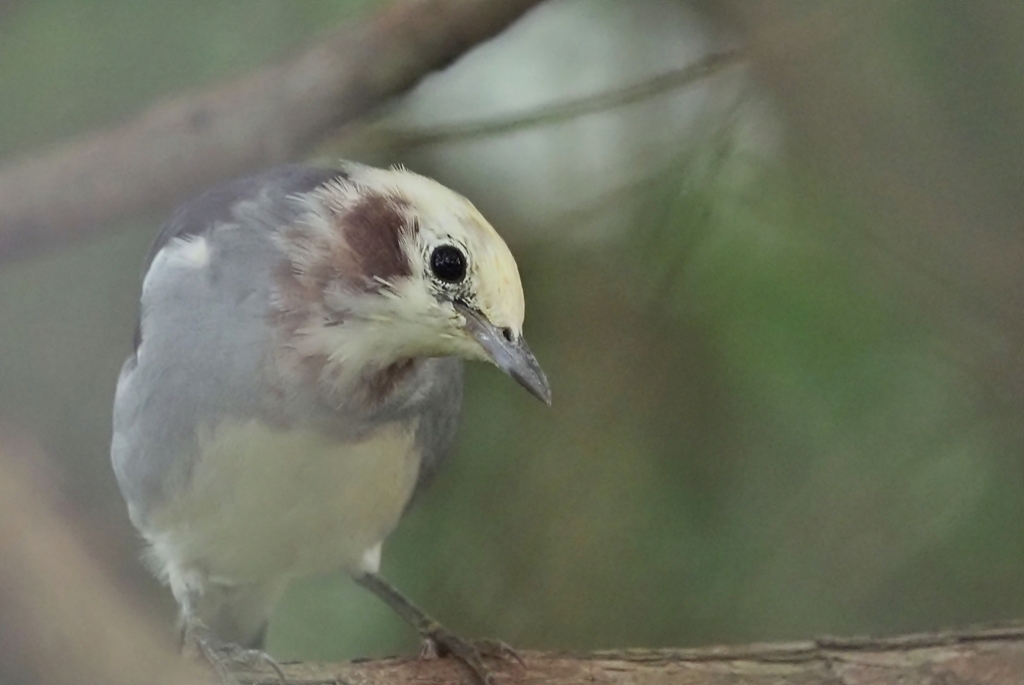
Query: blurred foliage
753 436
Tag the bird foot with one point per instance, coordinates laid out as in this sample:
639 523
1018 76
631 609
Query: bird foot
439 641
226 657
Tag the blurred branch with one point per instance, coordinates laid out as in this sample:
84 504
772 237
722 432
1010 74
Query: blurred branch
677 78
63 620
271 115
986 655
901 141
6 6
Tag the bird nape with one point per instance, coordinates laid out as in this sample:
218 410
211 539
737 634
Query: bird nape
297 380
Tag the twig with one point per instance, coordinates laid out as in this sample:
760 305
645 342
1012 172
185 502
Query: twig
268 116
677 78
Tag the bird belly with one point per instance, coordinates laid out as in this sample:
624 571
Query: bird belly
266 505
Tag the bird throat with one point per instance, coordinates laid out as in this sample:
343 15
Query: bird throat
380 385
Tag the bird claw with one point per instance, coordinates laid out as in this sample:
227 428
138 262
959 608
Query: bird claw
498 649
225 657
439 641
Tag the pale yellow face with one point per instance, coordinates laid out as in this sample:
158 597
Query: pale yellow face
416 271
492 282
447 221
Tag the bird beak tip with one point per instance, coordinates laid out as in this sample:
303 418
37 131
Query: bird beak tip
511 356
534 381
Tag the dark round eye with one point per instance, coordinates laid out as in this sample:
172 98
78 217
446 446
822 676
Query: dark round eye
448 263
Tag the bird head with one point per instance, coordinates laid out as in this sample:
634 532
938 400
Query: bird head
386 265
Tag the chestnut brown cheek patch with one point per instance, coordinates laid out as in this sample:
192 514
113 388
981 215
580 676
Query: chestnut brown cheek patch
373 229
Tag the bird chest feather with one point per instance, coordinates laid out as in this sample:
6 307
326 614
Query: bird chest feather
263 503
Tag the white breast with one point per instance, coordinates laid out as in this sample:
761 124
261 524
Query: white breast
266 505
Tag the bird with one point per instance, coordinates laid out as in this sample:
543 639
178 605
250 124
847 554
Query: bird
297 380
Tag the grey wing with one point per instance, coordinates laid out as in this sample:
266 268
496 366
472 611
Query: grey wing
221 205
439 420
202 337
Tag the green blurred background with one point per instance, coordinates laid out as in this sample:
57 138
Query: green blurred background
780 310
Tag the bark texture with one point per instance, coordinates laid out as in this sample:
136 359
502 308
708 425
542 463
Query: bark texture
993 656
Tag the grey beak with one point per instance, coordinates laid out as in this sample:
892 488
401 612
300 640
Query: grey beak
511 355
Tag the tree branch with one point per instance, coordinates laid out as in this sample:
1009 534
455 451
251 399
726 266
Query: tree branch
269 116
980 656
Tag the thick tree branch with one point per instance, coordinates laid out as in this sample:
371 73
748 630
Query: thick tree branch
269 116
990 656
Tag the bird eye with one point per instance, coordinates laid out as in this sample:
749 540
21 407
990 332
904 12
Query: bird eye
448 263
